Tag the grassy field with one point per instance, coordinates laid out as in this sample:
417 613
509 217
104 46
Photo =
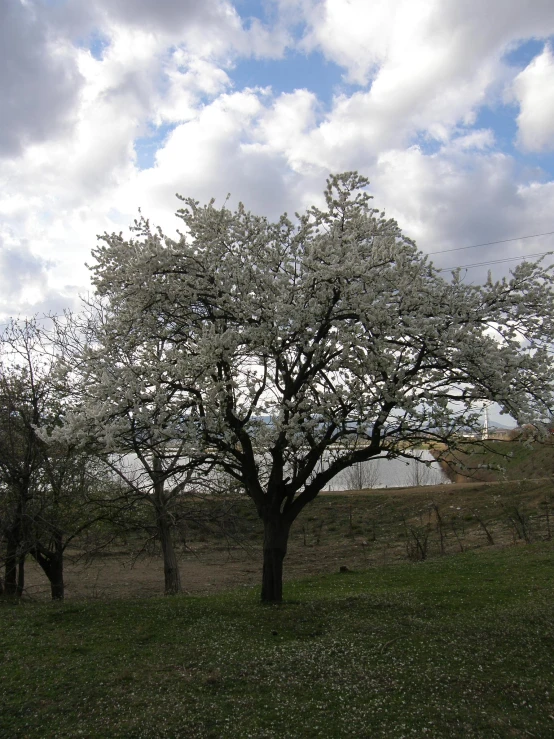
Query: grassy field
457 646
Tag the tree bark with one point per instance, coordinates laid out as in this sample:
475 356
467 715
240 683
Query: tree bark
172 577
11 579
21 574
276 535
14 573
51 563
57 587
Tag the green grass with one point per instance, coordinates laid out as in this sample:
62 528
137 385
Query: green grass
503 460
453 647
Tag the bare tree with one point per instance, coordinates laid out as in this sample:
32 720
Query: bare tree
23 402
363 475
420 473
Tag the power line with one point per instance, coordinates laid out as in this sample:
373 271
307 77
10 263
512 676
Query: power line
494 261
490 243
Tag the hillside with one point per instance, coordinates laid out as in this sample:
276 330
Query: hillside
357 529
500 460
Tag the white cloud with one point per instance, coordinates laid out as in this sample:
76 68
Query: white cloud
428 66
212 29
479 139
210 156
188 79
211 26
167 15
447 199
22 273
460 197
284 127
534 90
357 35
63 190
24 280
430 37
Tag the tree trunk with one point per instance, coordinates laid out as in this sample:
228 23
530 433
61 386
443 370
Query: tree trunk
171 567
21 575
57 588
56 569
14 574
10 578
164 524
51 563
276 534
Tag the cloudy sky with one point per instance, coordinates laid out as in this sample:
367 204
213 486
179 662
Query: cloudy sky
111 105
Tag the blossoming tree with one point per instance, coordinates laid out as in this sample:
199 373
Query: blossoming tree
125 413
286 352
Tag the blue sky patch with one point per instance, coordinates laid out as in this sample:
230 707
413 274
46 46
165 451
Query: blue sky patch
535 167
524 54
147 146
261 9
427 144
96 43
296 71
502 120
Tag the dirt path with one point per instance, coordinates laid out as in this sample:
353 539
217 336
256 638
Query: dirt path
206 571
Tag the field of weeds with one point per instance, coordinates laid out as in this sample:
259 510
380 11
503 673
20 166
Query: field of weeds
353 530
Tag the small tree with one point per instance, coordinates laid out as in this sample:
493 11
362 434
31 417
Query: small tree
73 496
363 475
132 418
266 348
23 400
47 489
420 473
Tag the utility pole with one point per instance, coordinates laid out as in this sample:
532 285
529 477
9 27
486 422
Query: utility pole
485 432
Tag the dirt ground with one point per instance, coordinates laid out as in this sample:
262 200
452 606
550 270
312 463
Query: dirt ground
210 567
205 571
